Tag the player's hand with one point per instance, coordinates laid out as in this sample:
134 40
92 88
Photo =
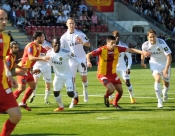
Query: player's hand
143 65
13 82
79 40
89 64
165 73
128 71
36 71
84 66
146 54
46 58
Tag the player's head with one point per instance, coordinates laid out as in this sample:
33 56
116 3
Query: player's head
56 44
151 35
39 37
14 47
111 42
116 35
3 20
70 24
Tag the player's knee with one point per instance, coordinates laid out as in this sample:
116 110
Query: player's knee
56 93
70 94
15 117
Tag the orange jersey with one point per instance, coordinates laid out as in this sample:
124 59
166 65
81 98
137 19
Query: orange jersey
30 49
4 51
108 59
10 60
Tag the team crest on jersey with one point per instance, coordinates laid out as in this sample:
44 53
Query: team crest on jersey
60 58
86 38
158 49
72 55
166 48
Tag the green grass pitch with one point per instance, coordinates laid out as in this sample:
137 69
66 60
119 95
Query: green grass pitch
94 119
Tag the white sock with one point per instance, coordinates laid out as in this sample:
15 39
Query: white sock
157 88
75 95
130 91
59 101
165 90
34 91
110 97
85 85
47 94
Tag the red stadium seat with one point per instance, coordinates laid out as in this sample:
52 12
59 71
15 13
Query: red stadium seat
40 28
98 28
28 30
104 28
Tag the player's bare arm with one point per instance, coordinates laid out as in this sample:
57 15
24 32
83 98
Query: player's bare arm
143 65
144 53
168 63
32 58
88 56
79 40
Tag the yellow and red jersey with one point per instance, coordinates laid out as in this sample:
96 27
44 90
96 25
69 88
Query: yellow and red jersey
10 60
30 49
107 59
4 51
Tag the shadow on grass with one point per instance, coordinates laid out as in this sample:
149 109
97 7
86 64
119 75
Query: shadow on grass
45 135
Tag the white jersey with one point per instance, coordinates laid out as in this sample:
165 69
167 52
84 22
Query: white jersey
40 64
69 41
60 61
159 51
121 65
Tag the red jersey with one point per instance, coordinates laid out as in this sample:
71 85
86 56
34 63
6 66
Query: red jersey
10 60
4 51
108 59
30 49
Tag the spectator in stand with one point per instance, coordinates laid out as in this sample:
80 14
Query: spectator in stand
61 20
42 21
47 19
79 13
88 17
13 16
35 12
40 1
36 21
43 11
55 12
29 14
26 7
94 19
52 20
83 19
49 5
6 7
67 6
84 10
82 6
49 11
21 20
66 10
15 4
90 12
23 2
20 11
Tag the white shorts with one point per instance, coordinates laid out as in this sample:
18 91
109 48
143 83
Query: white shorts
161 73
47 76
123 74
61 80
78 67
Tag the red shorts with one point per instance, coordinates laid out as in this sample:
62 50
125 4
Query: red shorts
114 79
7 100
24 79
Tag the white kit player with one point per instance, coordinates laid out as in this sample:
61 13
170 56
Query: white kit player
46 73
122 68
74 40
160 64
59 59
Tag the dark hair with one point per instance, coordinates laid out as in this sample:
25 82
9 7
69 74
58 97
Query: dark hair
12 43
110 38
37 34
